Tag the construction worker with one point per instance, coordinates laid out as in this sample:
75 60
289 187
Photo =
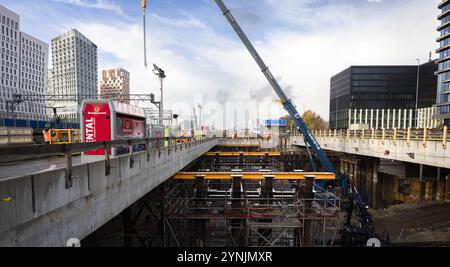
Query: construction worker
47 135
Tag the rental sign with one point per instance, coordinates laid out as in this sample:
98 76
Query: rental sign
97 125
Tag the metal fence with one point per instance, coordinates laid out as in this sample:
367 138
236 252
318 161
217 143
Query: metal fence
38 121
424 135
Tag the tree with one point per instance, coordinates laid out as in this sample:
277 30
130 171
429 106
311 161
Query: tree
314 121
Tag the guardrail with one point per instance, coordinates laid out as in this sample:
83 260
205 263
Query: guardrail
423 135
149 145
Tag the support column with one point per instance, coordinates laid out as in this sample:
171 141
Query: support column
421 184
308 195
266 161
447 188
267 191
351 173
374 184
241 161
238 227
356 177
436 184
200 225
267 194
217 162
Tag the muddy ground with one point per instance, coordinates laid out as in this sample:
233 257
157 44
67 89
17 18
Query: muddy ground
409 223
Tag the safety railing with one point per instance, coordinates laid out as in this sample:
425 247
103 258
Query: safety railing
394 136
149 145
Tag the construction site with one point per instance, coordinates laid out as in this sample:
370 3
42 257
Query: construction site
235 196
122 171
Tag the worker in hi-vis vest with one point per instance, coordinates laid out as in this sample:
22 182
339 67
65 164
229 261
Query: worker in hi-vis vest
47 135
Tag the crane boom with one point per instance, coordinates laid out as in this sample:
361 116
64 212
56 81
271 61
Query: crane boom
358 235
287 103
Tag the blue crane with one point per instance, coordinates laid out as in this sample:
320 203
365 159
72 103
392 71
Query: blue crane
352 235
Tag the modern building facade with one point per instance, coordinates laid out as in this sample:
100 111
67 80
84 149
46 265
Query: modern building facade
33 72
115 83
380 87
75 73
24 68
443 96
50 82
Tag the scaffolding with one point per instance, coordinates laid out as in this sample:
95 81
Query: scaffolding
238 213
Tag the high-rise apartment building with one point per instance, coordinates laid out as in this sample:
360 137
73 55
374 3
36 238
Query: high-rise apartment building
74 59
443 96
24 66
33 72
115 83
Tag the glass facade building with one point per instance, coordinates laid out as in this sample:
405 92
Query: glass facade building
443 96
380 87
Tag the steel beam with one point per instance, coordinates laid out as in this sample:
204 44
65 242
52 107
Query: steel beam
238 145
245 154
255 175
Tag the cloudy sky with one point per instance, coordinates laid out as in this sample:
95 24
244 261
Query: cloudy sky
304 42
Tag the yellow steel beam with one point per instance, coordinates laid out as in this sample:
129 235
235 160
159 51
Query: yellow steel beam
254 175
238 145
249 154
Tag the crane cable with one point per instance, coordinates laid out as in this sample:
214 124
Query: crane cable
144 11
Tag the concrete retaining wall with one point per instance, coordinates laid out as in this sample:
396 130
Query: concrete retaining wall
44 213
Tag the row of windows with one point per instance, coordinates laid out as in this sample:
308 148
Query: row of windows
10 23
11 71
7 64
444 109
6 39
30 56
32 78
9 46
9 52
37 88
9 58
362 85
445 20
33 70
9 32
8 82
445 8
445 31
383 70
444 65
31 45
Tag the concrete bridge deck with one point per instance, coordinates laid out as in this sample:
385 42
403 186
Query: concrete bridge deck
44 211
414 146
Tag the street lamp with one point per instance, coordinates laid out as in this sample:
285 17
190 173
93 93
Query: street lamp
200 114
161 74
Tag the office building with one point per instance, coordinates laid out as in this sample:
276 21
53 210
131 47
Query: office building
380 87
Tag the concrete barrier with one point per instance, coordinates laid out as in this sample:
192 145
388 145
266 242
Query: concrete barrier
43 212
414 151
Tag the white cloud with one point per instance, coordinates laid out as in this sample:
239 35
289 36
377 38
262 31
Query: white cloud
96 4
202 63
